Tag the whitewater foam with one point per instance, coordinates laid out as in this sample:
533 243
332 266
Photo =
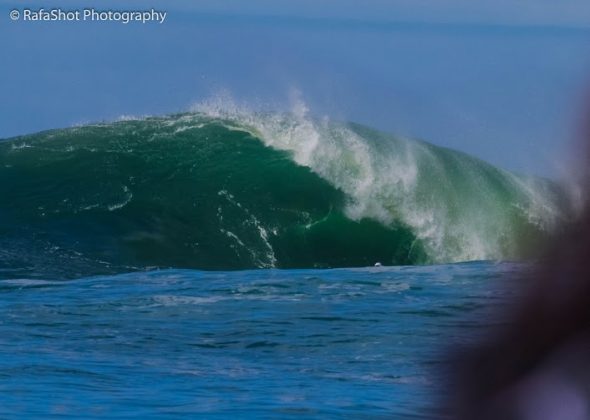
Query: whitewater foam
399 181
229 187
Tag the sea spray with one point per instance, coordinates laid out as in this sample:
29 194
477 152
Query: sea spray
228 188
459 207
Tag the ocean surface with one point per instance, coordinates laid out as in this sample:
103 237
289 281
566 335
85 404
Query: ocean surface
219 190
215 262
339 343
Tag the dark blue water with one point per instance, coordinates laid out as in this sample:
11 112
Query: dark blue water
363 343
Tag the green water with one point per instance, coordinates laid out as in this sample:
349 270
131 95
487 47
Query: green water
241 191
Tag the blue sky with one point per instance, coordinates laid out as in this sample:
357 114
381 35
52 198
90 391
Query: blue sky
501 80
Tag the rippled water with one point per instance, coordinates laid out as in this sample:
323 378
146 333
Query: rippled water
261 343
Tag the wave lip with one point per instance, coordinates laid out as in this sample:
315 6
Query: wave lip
229 189
459 207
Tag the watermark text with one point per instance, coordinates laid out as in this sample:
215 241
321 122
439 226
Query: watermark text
89 15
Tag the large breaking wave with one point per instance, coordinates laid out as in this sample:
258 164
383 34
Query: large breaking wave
223 188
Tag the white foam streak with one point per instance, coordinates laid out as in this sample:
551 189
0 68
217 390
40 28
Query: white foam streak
400 182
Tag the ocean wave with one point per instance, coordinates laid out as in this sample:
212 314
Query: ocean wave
223 187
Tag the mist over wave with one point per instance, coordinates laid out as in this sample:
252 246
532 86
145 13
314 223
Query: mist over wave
459 207
224 187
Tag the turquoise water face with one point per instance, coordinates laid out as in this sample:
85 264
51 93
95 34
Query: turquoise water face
367 342
220 190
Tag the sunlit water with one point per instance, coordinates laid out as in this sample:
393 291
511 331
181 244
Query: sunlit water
263 343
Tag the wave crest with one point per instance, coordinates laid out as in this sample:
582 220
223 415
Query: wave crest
225 187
